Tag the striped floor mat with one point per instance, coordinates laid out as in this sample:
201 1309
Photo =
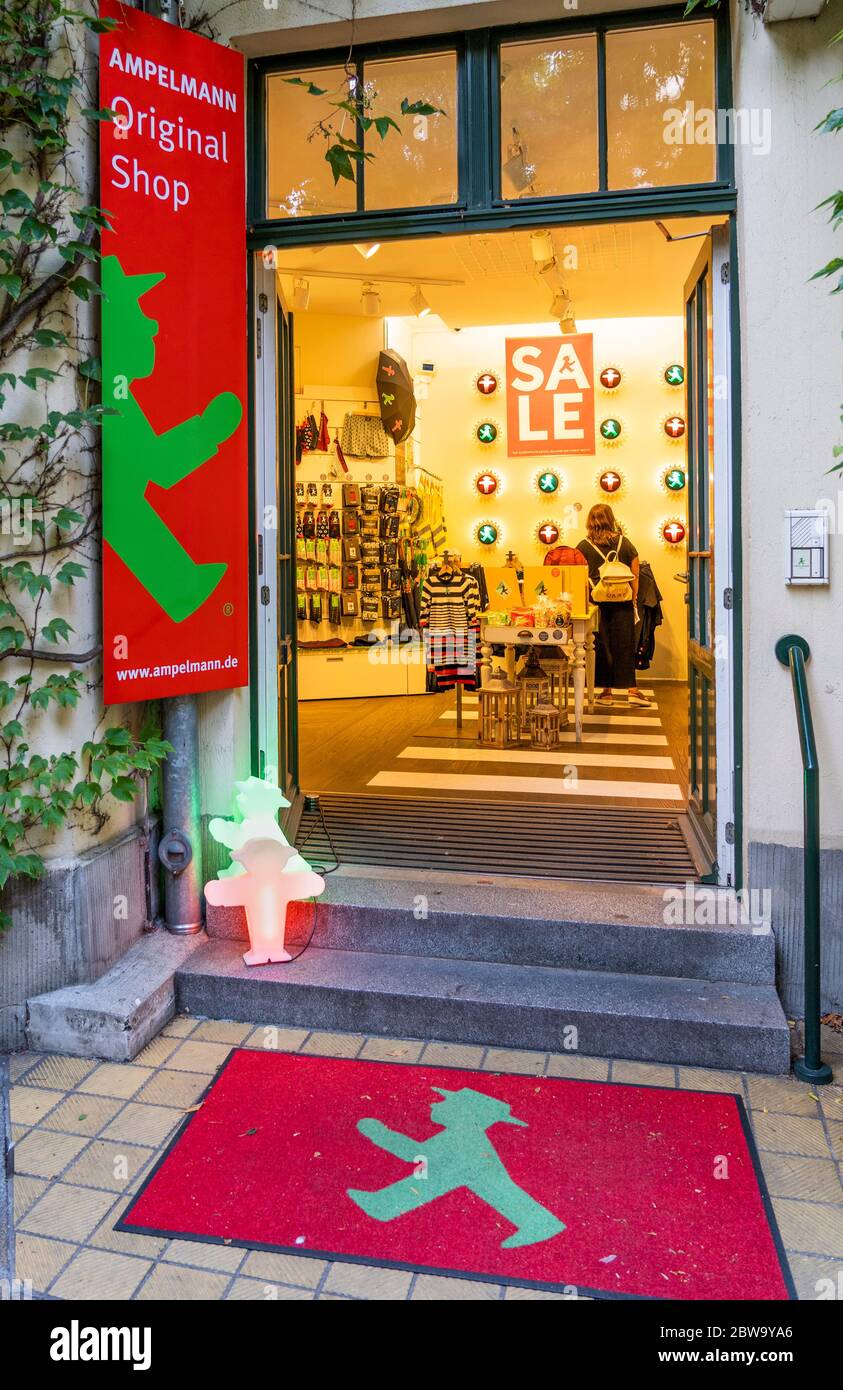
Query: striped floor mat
624 755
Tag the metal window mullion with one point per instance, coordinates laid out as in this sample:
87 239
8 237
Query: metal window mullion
360 182
477 104
602 115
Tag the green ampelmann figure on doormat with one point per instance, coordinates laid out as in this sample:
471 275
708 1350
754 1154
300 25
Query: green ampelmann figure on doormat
461 1156
135 456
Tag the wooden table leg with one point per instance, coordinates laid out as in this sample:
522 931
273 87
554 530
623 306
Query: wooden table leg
589 665
579 680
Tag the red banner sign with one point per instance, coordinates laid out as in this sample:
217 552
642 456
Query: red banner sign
550 395
175 462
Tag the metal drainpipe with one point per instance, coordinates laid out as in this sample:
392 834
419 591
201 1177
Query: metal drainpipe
180 849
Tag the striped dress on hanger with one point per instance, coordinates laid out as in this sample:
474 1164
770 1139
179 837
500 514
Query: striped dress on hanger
450 621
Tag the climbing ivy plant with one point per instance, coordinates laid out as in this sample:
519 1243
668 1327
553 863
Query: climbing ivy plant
49 398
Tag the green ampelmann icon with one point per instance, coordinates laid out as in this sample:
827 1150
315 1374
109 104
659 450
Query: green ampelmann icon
136 456
462 1155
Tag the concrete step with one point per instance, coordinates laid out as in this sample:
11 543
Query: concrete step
647 1017
118 1014
567 926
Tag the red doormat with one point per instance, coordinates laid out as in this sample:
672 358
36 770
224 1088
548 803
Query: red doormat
604 1189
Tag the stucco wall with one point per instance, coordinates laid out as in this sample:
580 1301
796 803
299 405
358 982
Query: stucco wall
791 383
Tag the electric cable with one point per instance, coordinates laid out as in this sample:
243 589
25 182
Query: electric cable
319 868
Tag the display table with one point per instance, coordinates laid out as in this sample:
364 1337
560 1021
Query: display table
575 639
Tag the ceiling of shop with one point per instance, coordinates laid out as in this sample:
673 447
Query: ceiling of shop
612 270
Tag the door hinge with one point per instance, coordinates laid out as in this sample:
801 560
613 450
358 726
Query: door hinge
263 303
265 595
258 338
728 598
260 554
725 271
285 651
730 832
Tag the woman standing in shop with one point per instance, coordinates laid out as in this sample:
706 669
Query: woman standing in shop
615 646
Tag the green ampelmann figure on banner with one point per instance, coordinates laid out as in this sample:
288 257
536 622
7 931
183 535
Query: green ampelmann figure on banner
461 1156
135 456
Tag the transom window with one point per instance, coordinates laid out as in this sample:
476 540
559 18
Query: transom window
507 118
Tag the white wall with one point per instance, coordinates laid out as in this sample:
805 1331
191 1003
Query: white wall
791 385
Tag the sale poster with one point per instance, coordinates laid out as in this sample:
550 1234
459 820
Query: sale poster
174 368
550 395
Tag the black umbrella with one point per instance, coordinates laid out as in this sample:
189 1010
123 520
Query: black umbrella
396 396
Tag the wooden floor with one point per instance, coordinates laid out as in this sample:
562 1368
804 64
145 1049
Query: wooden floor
411 746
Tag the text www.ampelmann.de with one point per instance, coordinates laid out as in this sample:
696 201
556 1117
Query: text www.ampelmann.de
177 668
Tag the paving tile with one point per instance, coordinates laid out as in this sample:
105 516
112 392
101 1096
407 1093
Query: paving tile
283 1269
40 1260
812 1179
205 1254
816 1278
44 1153
29 1104
811 1227
831 1042
220 1031
701 1079
82 1114
789 1134
334 1044
26 1191
22 1062
392 1050
59 1073
100 1274
644 1074
514 1060
368 1281
178 1283
156 1052
143 1124
179 1089
109 1165
180 1026
437 1287
119 1079
438 1054
205 1057
578 1068
252 1290
68 1213
274 1039
831 1101
780 1095
835 1130
125 1242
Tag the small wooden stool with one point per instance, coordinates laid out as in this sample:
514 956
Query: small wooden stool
544 726
499 713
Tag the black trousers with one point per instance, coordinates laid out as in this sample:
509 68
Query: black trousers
614 653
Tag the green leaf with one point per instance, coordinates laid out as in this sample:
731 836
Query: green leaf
118 737
340 162
124 789
310 87
383 123
91 368
420 108
56 630
12 284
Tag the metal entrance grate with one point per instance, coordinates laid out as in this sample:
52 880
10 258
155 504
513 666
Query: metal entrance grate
531 839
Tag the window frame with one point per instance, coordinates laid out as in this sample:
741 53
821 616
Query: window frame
480 203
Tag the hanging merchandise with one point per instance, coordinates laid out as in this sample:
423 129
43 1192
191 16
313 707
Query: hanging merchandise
350 495
315 608
340 455
334 609
350 605
351 550
650 616
322 526
396 395
323 443
327 494
610 378
350 523
450 620
363 436
299 494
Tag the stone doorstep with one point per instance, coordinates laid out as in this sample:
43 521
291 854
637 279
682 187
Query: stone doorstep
115 1016
596 927
646 1018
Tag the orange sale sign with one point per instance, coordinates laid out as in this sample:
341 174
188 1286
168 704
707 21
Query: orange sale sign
550 395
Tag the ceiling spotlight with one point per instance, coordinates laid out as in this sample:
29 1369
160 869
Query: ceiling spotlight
419 304
541 245
561 306
370 300
568 324
301 294
367 249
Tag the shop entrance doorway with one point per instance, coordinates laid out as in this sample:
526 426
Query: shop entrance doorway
352 706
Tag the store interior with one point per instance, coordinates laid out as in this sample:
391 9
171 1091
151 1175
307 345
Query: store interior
414 468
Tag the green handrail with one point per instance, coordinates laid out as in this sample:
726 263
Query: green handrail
793 651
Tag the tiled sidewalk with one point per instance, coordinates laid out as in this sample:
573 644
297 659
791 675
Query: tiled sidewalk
88 1132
